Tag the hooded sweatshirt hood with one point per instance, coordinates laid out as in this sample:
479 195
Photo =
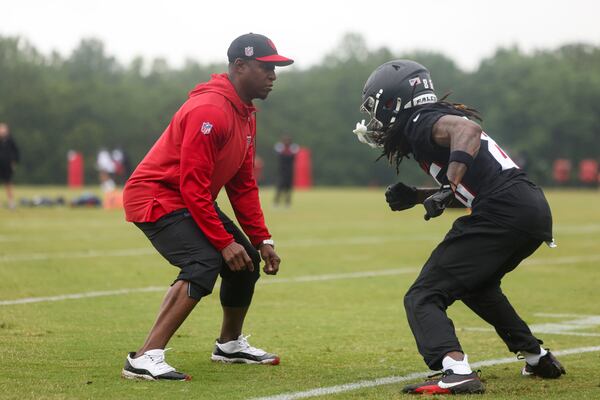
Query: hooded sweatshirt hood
220 83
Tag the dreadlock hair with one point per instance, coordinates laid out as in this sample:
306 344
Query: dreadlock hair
395 145
465 110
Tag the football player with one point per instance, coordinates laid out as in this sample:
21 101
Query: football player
510 219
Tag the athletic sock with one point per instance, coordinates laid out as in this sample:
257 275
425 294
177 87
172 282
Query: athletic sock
532 358
458 367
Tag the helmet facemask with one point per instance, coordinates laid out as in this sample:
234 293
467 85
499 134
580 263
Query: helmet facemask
372 133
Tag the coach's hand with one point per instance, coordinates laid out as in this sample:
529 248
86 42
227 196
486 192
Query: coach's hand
237 258
400 196
272 260
437 202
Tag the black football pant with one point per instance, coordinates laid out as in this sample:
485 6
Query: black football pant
468 266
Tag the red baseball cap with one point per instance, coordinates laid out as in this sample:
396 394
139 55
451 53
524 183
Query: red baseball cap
253 46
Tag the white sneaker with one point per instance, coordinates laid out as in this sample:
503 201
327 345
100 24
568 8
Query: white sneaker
240 351
151 366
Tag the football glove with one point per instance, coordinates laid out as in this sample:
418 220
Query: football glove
437 202
401 197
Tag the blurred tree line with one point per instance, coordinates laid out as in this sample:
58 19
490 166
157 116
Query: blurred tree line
538 106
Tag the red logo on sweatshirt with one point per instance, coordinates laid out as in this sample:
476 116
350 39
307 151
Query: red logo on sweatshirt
206 128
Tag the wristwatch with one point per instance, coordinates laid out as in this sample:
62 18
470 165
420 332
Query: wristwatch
270 242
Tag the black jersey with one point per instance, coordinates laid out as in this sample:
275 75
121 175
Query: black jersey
492 169
484 185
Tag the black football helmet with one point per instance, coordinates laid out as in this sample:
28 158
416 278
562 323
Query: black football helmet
393 87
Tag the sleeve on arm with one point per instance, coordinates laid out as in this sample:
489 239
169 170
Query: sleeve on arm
242 191
204 128
419 131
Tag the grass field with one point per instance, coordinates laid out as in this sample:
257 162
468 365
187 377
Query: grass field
334 313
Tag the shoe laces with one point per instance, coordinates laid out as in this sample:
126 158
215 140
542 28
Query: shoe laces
438 374
246 348
158 360
443 374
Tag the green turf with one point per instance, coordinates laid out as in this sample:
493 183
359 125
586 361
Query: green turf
328 332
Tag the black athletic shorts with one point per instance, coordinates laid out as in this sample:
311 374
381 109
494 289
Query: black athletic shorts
180 241
6 173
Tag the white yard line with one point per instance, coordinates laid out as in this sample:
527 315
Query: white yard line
299 279
360 240
562 315
561 260
544 331
309 278
397 379
85 295
333 277
143 251
559 230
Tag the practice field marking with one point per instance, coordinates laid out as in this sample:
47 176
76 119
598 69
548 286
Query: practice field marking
559 230
570 326
562 260
309 278
397 379
144 251
81 295
299 279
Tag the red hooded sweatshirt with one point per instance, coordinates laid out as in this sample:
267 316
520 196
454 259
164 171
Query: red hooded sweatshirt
208 144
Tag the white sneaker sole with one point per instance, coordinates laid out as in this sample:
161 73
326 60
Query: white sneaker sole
132 375
216 358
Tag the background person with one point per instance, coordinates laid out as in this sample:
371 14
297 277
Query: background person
210 143
106 170
122 164
510 219
286 156
9 157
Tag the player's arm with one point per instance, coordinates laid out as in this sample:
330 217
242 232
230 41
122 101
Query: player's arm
463 137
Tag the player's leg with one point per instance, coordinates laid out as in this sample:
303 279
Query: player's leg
177 237
460 265
277 194
490 303
10 194
237 290
6 181
288 195
175 308
426 302
495 308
